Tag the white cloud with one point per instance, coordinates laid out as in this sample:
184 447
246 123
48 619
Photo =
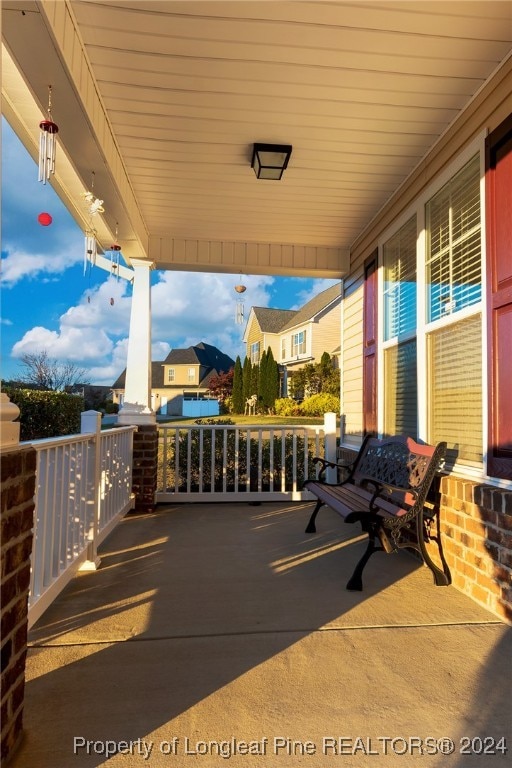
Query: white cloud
74 344
19 264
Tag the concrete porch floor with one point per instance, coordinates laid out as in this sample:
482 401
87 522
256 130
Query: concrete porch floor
211 625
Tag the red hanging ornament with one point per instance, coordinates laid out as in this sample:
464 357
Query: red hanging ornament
44 219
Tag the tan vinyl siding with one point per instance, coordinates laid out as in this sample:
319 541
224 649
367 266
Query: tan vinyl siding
326 332
181 377
352 360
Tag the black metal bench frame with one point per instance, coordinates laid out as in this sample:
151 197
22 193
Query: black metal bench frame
386 491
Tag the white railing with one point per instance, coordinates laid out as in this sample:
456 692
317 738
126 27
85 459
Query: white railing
83 488
233 463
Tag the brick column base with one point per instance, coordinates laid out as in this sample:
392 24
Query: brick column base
145 465
17 521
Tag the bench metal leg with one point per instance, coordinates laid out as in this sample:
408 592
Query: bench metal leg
442 578
311 527
355 583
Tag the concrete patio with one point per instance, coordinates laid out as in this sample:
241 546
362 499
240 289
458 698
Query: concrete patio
222 633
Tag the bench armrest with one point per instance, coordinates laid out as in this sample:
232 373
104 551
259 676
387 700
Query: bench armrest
326 464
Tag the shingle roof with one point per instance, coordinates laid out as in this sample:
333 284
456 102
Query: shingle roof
314 306
202 354
272 320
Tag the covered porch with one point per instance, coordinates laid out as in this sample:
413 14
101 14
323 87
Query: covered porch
213 625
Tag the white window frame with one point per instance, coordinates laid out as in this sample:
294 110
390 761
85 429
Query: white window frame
255 353
171 375
424 328
299 346
191 375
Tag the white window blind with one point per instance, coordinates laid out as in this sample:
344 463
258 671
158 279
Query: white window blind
455 383
399 256
401 391
454 244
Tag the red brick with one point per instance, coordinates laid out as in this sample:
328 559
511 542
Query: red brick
479 594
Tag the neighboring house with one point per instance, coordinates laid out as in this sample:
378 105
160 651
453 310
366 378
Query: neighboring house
296 337
184 375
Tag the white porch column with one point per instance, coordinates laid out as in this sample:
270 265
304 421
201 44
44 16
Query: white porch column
137 394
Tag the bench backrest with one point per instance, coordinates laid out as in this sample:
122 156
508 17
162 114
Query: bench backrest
399 461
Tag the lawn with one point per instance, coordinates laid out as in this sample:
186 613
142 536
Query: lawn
258 420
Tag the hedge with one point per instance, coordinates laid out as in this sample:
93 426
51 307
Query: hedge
46 413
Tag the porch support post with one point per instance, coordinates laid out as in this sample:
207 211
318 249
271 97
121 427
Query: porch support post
330 445
137 394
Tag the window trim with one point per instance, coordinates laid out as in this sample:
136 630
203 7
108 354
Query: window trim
423 328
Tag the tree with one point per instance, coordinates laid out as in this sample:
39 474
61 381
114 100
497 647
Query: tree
43 372
273 380
238 387
262 380
247 378
221 386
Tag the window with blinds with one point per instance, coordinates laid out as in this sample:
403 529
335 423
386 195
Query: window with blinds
399 260
454 279
401 391
455 386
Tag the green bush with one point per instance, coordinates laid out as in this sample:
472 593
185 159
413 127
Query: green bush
285 406
46 413
111 407
317 405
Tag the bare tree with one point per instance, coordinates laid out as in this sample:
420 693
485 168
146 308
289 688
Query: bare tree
44 372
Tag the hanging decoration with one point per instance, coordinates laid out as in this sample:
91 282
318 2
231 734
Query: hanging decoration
48 131
114 252
94 204
91 249
239 311
44 219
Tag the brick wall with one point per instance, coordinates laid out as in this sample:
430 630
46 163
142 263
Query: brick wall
145 466
17 516
475 522
476 529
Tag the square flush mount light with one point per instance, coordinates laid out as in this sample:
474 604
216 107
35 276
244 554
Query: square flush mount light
270 160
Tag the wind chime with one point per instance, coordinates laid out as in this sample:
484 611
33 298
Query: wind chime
239 311
114 252
48 131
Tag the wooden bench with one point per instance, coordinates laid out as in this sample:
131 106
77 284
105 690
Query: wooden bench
386 491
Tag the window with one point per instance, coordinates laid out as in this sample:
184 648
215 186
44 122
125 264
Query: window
455 379
401 394
299 343
431 384
255 353
191 375
453 244
454 283
171 374
283 349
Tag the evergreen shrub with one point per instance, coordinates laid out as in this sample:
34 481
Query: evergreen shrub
46 413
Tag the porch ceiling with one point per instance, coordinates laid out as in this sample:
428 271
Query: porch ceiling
163 101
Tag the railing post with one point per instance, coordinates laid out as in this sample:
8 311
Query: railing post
91 423
330 445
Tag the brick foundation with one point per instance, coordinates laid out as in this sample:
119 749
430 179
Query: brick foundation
17 520
145 467
476 537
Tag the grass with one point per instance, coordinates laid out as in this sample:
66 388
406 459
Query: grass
258 420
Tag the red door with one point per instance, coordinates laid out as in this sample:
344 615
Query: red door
370 345
499 297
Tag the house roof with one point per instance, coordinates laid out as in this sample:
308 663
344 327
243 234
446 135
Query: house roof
314 306
205 355
272 320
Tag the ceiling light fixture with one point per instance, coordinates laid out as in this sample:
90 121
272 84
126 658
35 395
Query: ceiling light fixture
270 160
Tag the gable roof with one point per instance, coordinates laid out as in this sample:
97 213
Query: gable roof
205 355
272 320
314 306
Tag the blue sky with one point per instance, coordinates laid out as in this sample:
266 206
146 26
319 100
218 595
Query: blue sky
48 304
